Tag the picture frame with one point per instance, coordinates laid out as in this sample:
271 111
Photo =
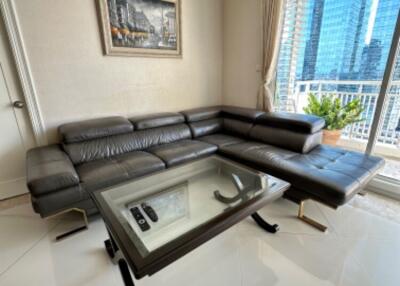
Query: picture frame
141 28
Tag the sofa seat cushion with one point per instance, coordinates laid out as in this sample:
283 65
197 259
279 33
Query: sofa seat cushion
332 174
221 139
105 173
183 151
258 155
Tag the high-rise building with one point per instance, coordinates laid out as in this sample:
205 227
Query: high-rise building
370 61
348 39
341 28
311 49
288 63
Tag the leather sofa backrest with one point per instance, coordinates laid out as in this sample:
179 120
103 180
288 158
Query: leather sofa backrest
241 113
93 129
107 137
203 121
156 120
206 127
292 121
297 132
283 138
203 113
238 121
227 119
149 131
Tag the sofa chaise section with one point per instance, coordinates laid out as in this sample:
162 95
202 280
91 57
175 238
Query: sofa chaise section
330 175
288 146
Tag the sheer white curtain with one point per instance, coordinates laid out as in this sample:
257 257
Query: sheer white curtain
271 29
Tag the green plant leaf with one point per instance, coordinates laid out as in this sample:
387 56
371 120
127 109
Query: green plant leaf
337 115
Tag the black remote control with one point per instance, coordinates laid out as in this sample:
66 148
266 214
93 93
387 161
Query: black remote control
150 212
141 221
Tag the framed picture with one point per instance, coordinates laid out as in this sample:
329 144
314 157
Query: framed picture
141 27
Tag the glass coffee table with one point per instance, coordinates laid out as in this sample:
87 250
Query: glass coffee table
154 220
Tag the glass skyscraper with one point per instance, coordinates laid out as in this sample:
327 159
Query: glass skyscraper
346 39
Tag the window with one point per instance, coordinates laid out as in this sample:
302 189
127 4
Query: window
340 48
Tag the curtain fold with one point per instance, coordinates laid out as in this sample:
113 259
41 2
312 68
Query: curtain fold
271 28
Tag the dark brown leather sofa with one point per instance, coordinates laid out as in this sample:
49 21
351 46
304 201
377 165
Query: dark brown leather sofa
103 152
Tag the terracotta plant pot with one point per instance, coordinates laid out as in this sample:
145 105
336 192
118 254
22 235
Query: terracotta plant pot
331 137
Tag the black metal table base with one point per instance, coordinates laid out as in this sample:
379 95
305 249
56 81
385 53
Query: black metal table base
117 258
114 252
265 225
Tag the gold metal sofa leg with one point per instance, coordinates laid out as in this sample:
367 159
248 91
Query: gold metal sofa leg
308 220
75 230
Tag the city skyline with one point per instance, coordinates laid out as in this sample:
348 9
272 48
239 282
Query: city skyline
346 39
327 43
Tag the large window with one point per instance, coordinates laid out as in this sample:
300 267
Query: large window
340 48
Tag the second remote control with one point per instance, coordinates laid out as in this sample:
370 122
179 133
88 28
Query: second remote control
150 212
141 221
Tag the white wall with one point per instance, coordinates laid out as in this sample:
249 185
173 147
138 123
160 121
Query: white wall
74 80
242 23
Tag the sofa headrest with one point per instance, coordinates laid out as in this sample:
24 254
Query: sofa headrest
203 113
241 113
94 128
156 120
292 121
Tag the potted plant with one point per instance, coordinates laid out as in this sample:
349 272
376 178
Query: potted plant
337 116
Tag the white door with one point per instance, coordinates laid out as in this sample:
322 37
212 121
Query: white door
15 133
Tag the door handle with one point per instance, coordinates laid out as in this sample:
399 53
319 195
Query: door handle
19 104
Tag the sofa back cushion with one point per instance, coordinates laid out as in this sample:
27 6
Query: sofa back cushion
94 128
283 138
206 127
115 145
303 123
232 120
297 132
238 121
241 113
203 121
150 131
156 120
203 113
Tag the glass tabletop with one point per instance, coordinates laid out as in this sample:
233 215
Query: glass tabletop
159 208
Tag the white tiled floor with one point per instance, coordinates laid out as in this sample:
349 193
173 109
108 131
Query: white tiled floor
362 247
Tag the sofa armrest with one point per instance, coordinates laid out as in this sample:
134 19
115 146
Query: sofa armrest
296 122
49 169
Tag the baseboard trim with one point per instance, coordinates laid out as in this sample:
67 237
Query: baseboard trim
385 187
13 188
14 201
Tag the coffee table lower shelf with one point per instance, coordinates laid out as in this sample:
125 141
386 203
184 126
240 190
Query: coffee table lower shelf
117 258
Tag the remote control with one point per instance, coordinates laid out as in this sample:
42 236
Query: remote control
141 221
150 212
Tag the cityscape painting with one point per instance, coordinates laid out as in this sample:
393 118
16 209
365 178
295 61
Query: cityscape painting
141 27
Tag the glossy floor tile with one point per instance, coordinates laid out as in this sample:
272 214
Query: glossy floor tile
360 248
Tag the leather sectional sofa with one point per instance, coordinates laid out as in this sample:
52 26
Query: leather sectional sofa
103 152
